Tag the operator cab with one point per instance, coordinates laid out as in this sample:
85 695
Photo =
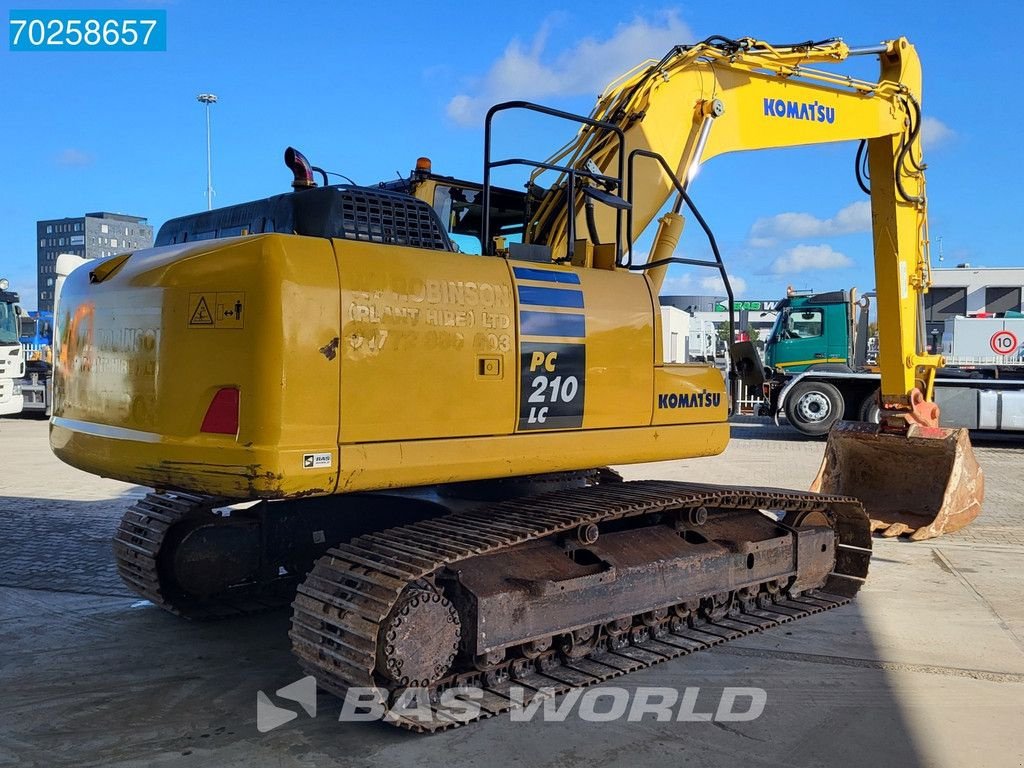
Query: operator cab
423 211
459 205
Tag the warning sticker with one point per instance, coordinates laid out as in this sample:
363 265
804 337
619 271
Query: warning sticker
201 314
230 309
316 460
224 309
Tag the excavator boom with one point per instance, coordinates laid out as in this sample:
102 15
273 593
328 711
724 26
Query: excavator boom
741 95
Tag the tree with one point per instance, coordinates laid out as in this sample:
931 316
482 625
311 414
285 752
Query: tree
723 333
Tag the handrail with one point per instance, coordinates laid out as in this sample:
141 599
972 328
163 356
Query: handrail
570 173
717 263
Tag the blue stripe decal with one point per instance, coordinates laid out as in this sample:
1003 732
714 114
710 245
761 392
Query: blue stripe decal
547 275
550 297
552 324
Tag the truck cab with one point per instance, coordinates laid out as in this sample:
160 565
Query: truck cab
817 356
810 331
12 361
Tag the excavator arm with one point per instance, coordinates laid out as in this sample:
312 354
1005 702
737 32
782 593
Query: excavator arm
724 96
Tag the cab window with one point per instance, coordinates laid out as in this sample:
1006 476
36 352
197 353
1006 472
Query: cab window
8 324
803 324
461 211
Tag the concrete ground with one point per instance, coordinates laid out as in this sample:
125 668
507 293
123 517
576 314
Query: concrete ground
925 668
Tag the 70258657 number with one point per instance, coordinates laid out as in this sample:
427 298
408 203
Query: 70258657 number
88 30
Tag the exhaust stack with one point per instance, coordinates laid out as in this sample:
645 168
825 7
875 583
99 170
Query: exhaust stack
300 168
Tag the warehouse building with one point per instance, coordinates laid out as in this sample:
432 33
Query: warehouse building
965 290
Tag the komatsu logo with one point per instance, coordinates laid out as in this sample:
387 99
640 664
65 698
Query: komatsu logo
702 399
799 110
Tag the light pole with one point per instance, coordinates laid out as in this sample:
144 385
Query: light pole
208 99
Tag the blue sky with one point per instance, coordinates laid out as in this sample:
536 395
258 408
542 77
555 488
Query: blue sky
364 89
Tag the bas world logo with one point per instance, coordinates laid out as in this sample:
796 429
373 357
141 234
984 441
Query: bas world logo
601 704
270 716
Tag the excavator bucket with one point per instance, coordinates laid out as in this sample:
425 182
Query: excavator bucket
921 485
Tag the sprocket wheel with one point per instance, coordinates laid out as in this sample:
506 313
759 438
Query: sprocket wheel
419 639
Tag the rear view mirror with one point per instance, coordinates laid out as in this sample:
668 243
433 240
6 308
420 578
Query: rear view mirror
747 364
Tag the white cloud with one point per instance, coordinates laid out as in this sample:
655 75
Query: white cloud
935 133
524 72
74 158
856 217
804 257
677 284
713 285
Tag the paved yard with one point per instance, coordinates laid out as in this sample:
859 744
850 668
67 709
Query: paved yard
926 668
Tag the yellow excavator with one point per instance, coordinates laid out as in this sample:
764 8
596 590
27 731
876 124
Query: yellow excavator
395 406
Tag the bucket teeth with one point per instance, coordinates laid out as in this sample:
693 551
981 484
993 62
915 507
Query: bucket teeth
890 530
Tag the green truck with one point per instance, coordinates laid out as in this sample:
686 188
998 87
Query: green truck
819 367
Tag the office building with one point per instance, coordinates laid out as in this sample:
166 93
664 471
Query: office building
91 236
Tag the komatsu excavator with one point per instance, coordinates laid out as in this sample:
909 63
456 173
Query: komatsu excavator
328 395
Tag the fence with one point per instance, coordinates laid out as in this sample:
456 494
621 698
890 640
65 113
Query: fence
749 400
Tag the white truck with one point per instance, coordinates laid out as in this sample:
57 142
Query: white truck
12 358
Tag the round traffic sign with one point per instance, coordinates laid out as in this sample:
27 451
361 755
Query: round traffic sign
1003 342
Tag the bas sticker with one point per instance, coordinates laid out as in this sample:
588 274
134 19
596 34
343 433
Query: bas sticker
316 460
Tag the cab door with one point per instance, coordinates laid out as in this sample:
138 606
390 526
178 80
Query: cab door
802 339
837 333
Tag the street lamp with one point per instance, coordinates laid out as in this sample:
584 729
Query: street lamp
208 99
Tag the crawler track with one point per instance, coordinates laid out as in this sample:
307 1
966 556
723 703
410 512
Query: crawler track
339 609
140 547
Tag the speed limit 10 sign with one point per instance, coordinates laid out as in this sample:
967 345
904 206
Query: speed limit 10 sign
1003 342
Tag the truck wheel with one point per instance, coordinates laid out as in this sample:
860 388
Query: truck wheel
869 409
813 407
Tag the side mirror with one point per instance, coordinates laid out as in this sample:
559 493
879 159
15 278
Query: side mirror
747 364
